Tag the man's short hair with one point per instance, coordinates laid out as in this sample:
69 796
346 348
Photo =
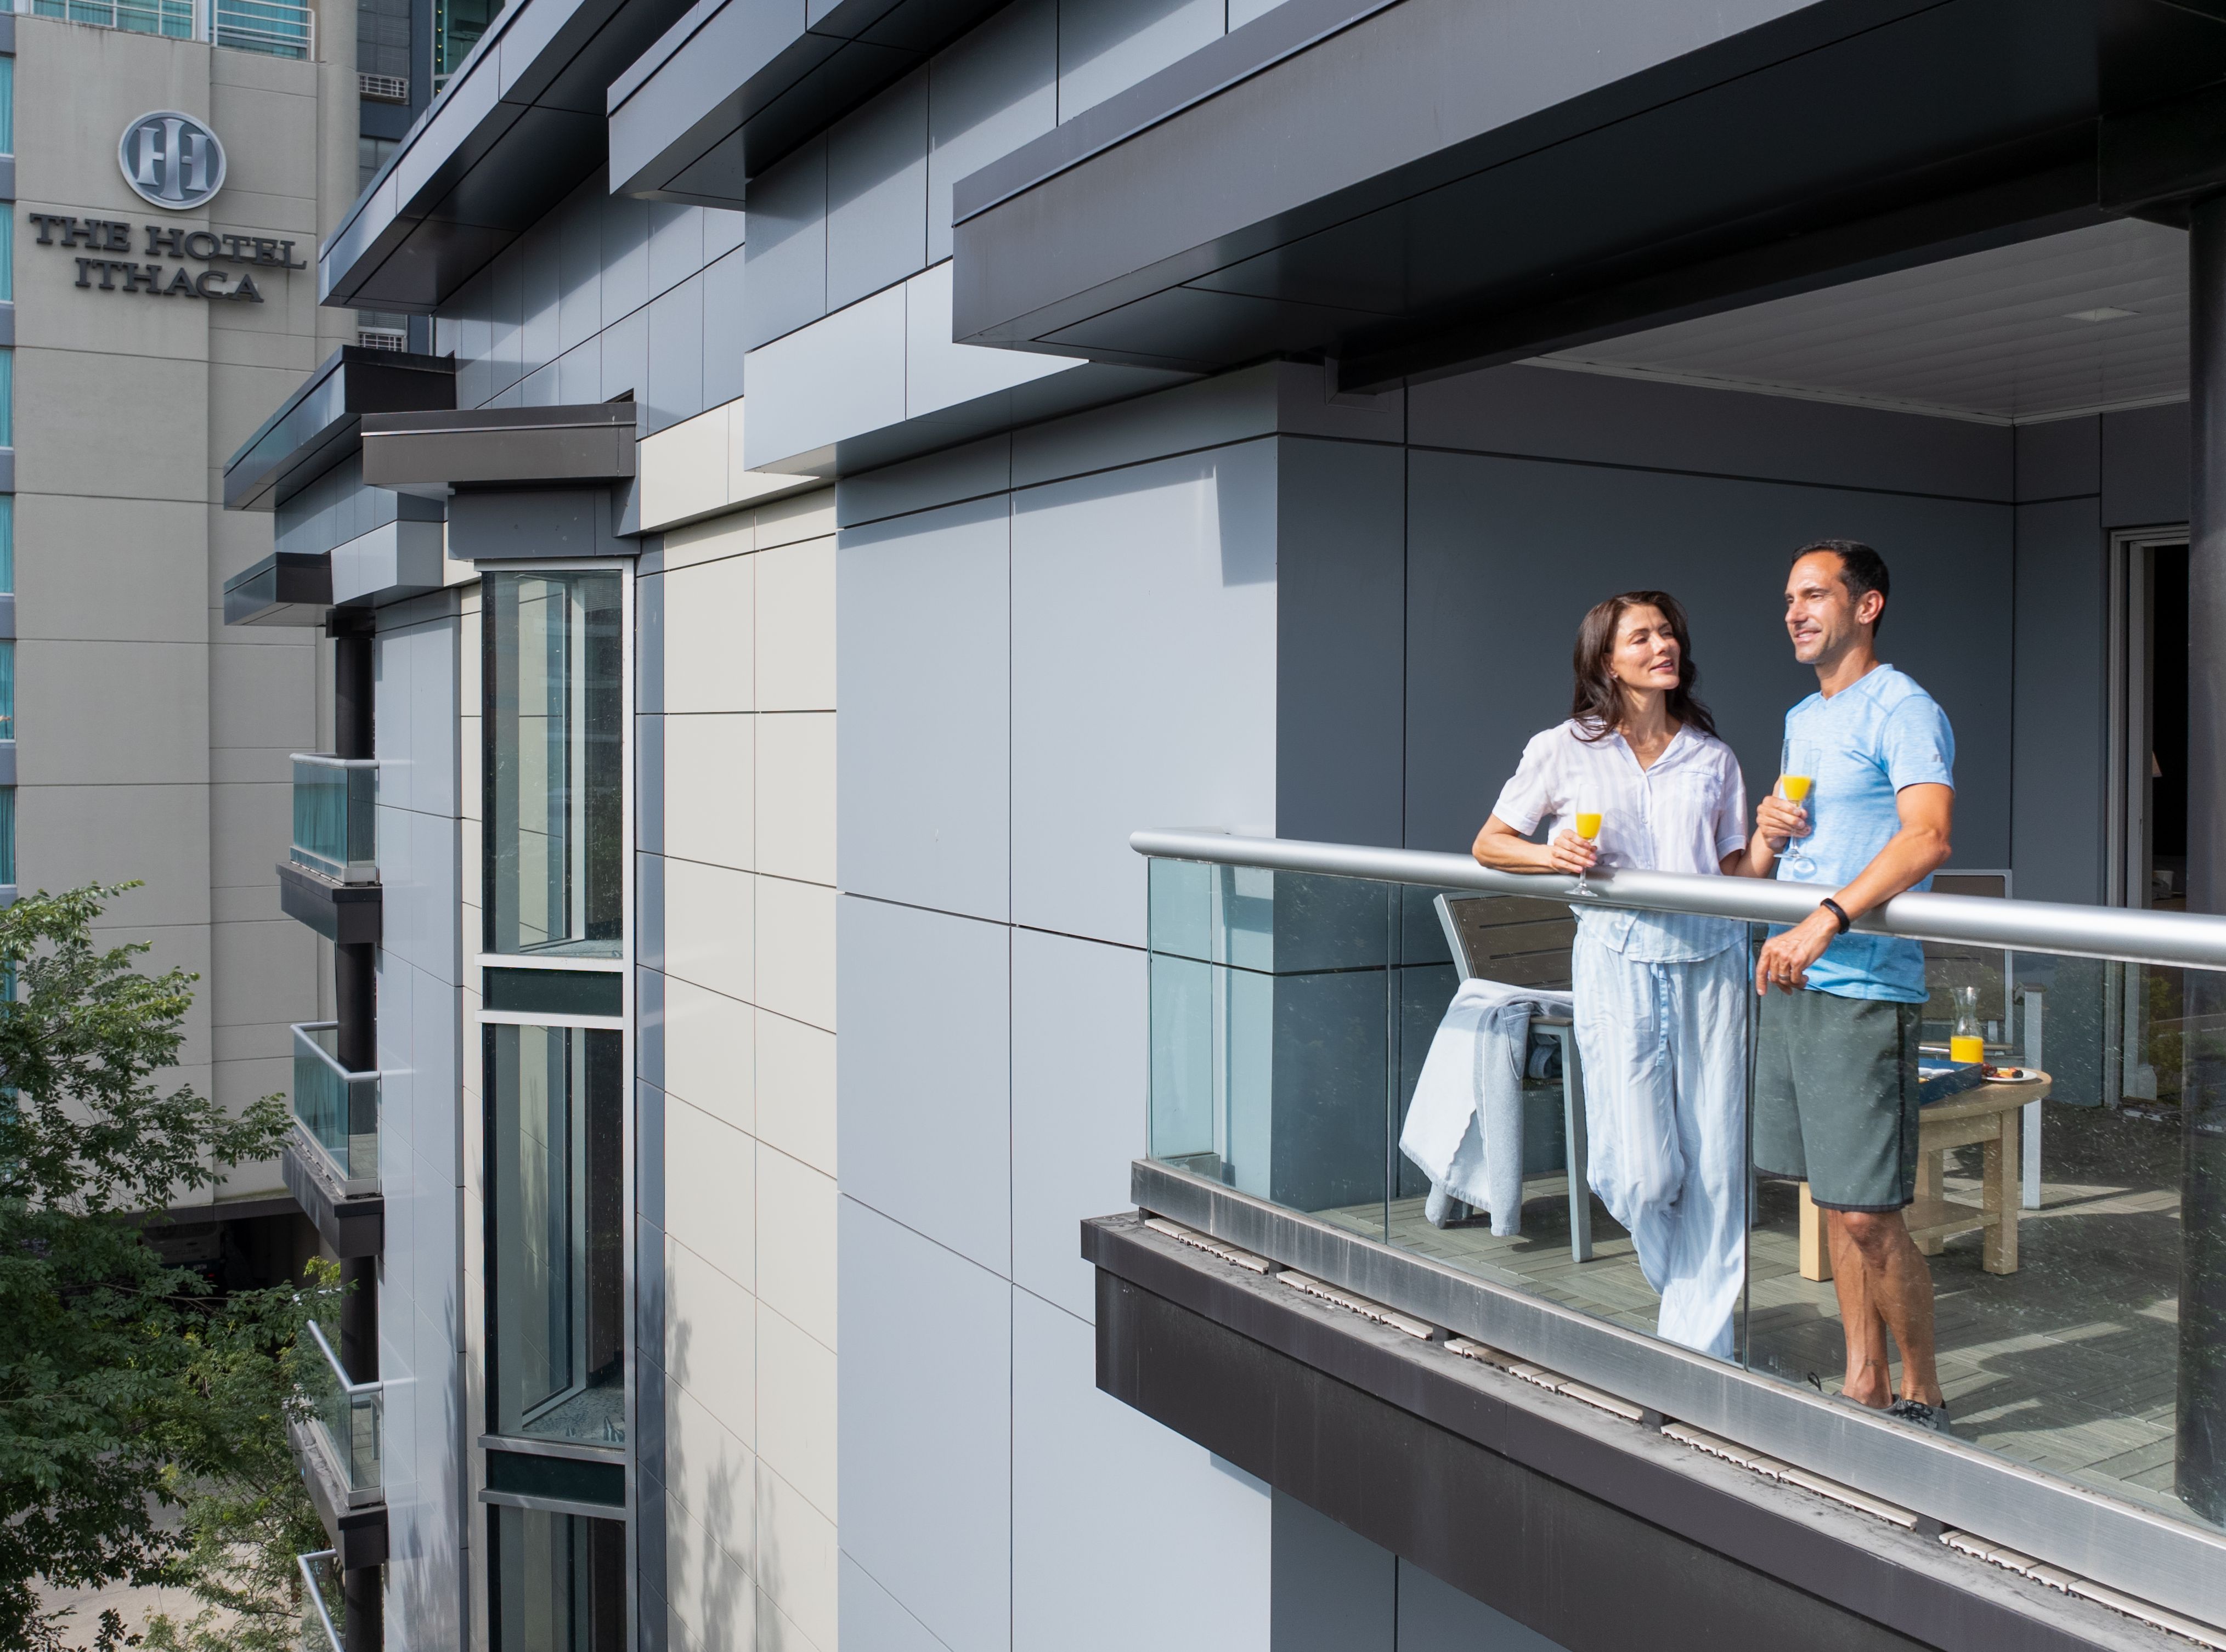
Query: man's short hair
1861 570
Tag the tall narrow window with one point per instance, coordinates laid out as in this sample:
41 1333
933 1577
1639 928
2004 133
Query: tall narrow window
7 255
7 542
555 1286
7 834
7 689
7 390
7 106
555 794
559 1581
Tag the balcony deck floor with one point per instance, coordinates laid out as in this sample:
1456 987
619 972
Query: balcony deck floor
2069 1364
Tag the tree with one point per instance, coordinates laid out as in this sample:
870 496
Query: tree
124 1383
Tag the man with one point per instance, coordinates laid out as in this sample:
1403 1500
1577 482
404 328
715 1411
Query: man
1835 1091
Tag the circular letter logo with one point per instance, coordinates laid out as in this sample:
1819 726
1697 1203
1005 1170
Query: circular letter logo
172 160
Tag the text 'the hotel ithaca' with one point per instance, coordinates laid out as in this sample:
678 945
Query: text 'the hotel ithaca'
918 639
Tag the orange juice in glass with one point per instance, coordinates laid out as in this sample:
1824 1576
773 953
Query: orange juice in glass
1587 824
1796 776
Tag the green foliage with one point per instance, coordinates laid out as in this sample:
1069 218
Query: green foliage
124 1385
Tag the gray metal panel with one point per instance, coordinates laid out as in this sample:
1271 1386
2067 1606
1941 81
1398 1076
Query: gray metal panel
507 523
1333 1590
676 247
2059 459
353 1227
922 606
924 1124
626 257
675 384
284 588
389 563
7 613
877 194
7 470
786 253
1340 639
1594 418
873 1616
1076 1082
1174 563
843 376
2062 698
723 335
930 1430
7 762
946 478
2148 1555
346 914
1108 46
990 92
625 357
1505 556
6 324
2145 460
504 446
8 170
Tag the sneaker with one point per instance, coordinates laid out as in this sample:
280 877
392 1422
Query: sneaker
1918 1415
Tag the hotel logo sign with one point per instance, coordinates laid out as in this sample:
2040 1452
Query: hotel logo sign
171 160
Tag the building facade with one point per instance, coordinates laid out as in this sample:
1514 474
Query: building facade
824 1179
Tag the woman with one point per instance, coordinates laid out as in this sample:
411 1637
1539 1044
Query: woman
1661 997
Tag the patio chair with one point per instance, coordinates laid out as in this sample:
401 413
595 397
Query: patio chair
1526 942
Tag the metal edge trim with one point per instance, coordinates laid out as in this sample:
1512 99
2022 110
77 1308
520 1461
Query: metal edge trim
554 1505
2147 1554
2122 934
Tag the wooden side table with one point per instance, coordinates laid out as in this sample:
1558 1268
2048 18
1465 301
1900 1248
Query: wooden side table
1991 1114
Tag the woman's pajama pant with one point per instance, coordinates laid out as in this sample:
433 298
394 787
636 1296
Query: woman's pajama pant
1664 1052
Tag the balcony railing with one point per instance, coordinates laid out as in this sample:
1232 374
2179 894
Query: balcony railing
335 1111
1298 991
336 817
274 27
345 1419
323 1638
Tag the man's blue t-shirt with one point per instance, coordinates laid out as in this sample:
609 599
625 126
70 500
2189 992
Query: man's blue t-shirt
1863 746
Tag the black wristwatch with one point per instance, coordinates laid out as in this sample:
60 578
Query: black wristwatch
1838 911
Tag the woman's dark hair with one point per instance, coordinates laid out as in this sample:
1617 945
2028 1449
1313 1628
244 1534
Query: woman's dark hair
1597 705
1861 570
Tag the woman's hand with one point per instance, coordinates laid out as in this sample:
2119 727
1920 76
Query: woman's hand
1569 853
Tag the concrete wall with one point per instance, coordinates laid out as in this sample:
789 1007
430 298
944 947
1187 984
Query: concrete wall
153 741
736 759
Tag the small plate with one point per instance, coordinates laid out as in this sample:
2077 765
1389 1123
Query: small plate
2023 1075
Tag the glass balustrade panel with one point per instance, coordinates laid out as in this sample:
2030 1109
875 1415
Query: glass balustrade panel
337 1109
335 818
348 1425
1642 1142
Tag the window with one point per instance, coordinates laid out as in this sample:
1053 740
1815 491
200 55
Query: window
7 836
559 1581
371 154
7 689
7 254
7 542
555 1288
457 26
554 791
7 398
382 42
7 106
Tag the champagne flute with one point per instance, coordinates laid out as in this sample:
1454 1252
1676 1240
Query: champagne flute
1588 825
1797 774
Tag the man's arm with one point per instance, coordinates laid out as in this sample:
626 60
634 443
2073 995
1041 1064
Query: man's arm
1910 855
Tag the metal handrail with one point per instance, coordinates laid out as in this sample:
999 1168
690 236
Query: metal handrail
352 1390
327 1056
2118 933
327 760
317 1595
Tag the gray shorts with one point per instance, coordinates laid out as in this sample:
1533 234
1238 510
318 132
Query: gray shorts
1835 1098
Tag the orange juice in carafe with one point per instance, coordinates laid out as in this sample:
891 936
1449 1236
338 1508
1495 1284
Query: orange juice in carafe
1966 1044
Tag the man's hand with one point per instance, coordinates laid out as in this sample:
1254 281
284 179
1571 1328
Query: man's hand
1778 821
1785 958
